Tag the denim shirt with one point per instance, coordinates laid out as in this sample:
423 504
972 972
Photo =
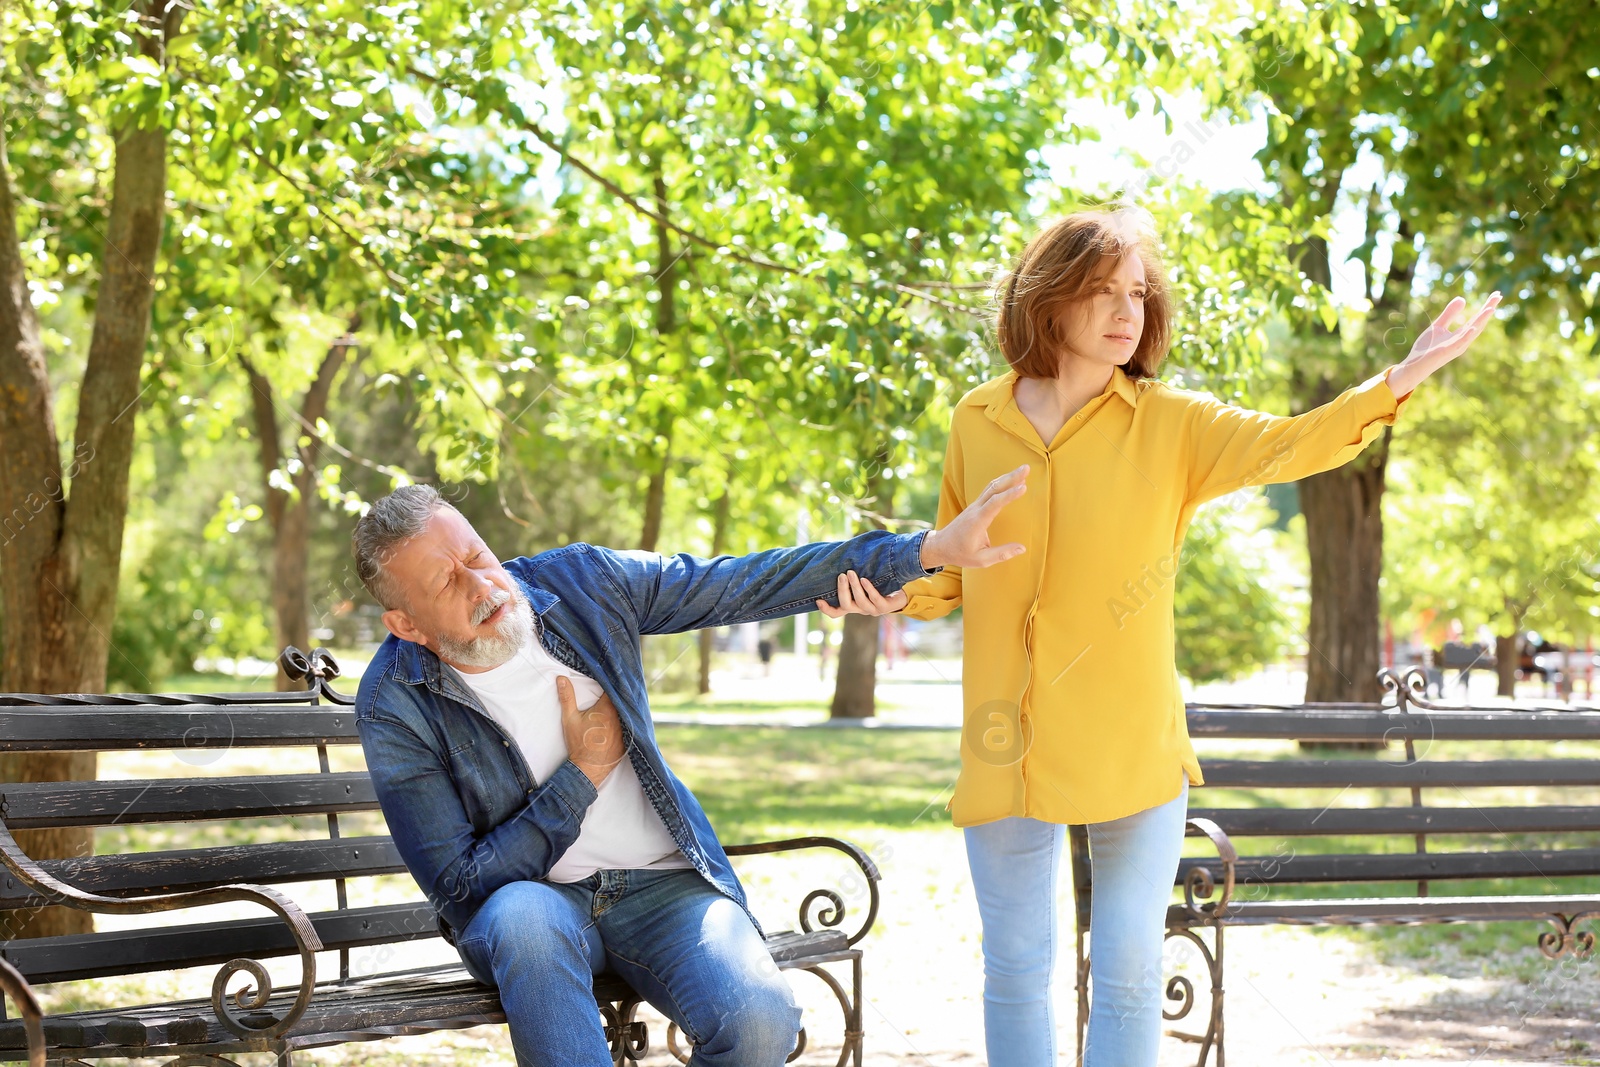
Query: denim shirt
466 815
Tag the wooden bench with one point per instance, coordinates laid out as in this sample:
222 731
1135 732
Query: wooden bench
315 1009
1464 659
1283 877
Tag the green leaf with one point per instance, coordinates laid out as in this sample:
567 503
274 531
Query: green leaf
1329 316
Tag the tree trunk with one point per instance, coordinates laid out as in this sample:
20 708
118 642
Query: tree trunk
666 276
289 514
655 499
61 554
719 533
855 687
1344 507
1505 662
1344 535
37 626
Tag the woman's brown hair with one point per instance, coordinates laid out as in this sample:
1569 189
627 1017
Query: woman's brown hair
1061 268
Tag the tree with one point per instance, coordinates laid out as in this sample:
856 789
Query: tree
59 561
262 113
289 499
1473 126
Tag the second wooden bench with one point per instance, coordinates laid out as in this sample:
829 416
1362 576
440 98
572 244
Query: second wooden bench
1371 850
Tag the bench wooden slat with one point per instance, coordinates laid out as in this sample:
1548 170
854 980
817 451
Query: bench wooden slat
1356 912
1312 822
62 959
269 863
288 698
61 729
443 993
33 805
1368 773
1395 726
1402 866
78 956
429 998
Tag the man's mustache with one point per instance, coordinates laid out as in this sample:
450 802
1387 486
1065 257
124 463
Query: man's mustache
487 608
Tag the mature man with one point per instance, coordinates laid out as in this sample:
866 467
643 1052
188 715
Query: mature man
496 719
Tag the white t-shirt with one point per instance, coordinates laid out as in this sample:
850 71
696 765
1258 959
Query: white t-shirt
621 828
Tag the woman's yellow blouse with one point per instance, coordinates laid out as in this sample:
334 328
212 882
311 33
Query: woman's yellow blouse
1073 712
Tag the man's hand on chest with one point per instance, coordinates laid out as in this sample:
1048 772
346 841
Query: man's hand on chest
593 736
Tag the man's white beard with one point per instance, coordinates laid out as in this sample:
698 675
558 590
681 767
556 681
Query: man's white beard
513 631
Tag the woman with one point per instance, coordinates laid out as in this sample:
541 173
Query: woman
1073 707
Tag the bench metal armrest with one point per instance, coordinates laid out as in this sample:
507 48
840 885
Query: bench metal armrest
833 914
1201 883
16 987
252 999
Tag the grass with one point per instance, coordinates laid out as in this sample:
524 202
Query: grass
694 704
758 782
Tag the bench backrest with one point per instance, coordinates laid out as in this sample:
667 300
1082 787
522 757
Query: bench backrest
283 846
1417 811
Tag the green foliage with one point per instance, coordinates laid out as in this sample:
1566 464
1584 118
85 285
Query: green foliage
742 249
1460 133
155 634
1236 603
1495 509
178 602
770 226
187 584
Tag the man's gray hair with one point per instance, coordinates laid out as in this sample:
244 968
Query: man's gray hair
390 522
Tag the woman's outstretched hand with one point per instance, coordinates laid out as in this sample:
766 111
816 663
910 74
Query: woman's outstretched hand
964 542
1438 346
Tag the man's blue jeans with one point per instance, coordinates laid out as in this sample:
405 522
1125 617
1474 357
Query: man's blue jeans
1014 863
686 948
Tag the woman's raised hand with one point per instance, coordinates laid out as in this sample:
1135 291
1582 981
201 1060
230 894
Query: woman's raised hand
1438 346
964 542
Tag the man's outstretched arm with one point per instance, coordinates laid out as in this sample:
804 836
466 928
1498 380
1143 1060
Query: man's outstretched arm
670 594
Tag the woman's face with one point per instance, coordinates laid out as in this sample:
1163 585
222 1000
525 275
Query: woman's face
1107 326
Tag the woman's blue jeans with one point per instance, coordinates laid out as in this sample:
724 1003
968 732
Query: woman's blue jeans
682 945
1014 866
